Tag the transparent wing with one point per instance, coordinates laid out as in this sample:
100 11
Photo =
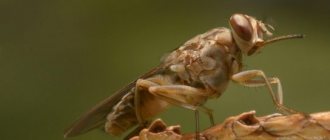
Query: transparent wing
97 115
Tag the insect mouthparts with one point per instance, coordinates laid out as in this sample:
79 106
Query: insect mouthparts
284 37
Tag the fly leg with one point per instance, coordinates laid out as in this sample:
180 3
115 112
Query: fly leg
209 112
141 85
184 96
250 79
197 124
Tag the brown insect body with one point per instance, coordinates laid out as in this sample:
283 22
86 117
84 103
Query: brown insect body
198 70
202 59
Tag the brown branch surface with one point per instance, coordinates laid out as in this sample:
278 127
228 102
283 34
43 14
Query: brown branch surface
247 126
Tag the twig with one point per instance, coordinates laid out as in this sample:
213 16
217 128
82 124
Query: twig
247 126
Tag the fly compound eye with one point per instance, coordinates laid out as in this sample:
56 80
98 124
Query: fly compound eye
241 26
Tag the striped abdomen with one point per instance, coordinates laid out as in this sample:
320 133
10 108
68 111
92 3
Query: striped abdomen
123 116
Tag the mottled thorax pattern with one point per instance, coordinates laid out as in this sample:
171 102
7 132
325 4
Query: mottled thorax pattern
207 60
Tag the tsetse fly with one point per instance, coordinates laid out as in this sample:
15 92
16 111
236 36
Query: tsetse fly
187 77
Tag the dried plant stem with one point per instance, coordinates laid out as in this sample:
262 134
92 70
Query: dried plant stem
247 126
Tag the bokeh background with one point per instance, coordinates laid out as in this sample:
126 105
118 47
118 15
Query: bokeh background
59 58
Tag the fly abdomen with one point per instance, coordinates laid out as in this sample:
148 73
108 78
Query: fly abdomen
123 116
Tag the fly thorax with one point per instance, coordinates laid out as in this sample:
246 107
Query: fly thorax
216 69
208 63
180 72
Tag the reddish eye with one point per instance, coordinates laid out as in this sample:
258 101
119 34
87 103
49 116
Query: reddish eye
241 26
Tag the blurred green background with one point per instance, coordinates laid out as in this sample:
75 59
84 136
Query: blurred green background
59 58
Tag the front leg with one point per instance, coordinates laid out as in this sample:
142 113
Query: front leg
251 78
